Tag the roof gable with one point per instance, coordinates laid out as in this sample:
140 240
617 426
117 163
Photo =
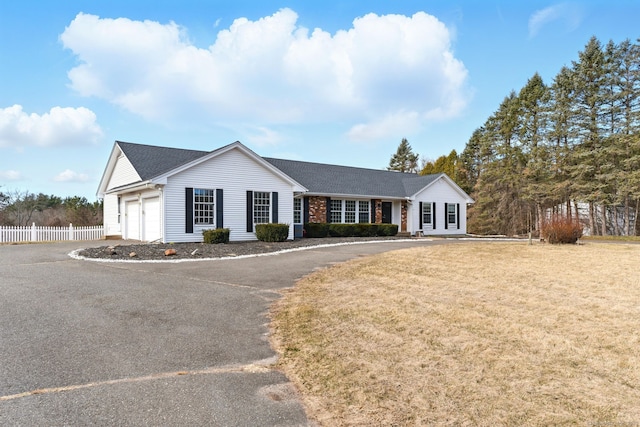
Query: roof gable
155 163
151 161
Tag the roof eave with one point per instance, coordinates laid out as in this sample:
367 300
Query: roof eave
355 196
136 186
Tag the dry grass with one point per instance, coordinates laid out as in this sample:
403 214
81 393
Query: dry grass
468 334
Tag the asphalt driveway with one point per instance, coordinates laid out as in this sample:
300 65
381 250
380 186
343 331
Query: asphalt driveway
90 343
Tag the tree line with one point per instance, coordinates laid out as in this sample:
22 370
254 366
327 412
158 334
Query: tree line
570 149
22 208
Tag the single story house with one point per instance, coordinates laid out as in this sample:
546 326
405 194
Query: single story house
153 193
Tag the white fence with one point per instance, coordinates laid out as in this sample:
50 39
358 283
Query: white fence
49 234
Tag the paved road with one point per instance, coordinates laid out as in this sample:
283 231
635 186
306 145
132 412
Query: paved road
88 343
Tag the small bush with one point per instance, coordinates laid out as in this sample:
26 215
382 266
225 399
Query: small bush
349 230
315 229
272 232
562 230
367 230
219 235
342 230
387 229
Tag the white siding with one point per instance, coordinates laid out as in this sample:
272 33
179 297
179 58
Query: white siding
110 219
396 215
440 192
123 173
235 173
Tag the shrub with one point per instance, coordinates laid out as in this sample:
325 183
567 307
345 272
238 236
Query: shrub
272 232
219 235
367 230
342 230
562 230
349 230
314 229
387 229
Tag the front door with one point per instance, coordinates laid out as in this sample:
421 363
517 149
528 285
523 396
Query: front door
386 212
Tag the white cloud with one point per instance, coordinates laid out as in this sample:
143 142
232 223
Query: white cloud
570 13
271 71
263 136
10 175
60 126
401 123
71 176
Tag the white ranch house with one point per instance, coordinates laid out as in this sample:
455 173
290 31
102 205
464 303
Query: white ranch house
167 194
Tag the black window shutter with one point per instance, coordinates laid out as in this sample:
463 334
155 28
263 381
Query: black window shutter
420 217
219 208
249 211
373 211
433 215
446 216
306 210
274 207
188 209
328 209
458 215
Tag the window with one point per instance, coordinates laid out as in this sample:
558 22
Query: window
363 211
297 211
350 211
261 207
336 211
119 209
203 203
451 213
426 213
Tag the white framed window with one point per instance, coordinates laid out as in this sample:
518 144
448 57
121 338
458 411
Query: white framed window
363 211
261 207
350 211
427 217
336 211
451 213
297 211
203 205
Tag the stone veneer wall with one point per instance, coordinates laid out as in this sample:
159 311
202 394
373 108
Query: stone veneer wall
317 209
403 214
378 209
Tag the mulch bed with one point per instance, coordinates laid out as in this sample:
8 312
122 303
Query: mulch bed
156 251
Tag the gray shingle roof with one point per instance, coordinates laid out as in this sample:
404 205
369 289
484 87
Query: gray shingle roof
152 161
333 179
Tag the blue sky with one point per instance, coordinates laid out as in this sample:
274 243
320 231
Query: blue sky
334 81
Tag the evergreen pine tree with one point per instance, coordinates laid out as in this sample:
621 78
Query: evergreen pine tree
404 160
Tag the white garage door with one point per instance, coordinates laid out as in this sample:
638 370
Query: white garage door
132 221
151 219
